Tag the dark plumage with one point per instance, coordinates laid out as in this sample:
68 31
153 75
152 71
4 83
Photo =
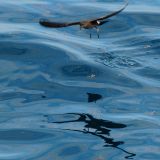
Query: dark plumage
86 24
92 97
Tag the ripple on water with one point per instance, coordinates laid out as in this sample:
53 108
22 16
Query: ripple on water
151 73
79 70
115 61
23 135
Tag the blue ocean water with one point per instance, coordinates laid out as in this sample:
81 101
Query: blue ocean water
65 96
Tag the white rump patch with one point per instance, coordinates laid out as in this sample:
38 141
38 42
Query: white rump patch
98 22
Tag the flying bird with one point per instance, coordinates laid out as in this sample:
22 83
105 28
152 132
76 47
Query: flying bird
86 24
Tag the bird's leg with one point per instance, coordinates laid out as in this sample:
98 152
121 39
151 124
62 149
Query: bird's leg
97 29
90 35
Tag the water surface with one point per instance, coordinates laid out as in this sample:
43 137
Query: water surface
65 96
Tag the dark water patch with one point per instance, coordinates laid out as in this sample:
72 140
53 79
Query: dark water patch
69 151
23 135
149 72
6 36
146 19
11 49
30 52
43 96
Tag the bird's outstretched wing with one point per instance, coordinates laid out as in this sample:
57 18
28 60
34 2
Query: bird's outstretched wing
113 13
52 24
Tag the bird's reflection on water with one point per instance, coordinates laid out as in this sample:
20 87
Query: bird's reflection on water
97 127
92 97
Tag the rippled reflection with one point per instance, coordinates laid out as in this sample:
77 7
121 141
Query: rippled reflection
97 127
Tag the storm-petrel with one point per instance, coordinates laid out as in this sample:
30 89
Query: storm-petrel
86 24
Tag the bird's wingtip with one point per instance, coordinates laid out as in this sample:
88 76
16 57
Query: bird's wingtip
42 21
